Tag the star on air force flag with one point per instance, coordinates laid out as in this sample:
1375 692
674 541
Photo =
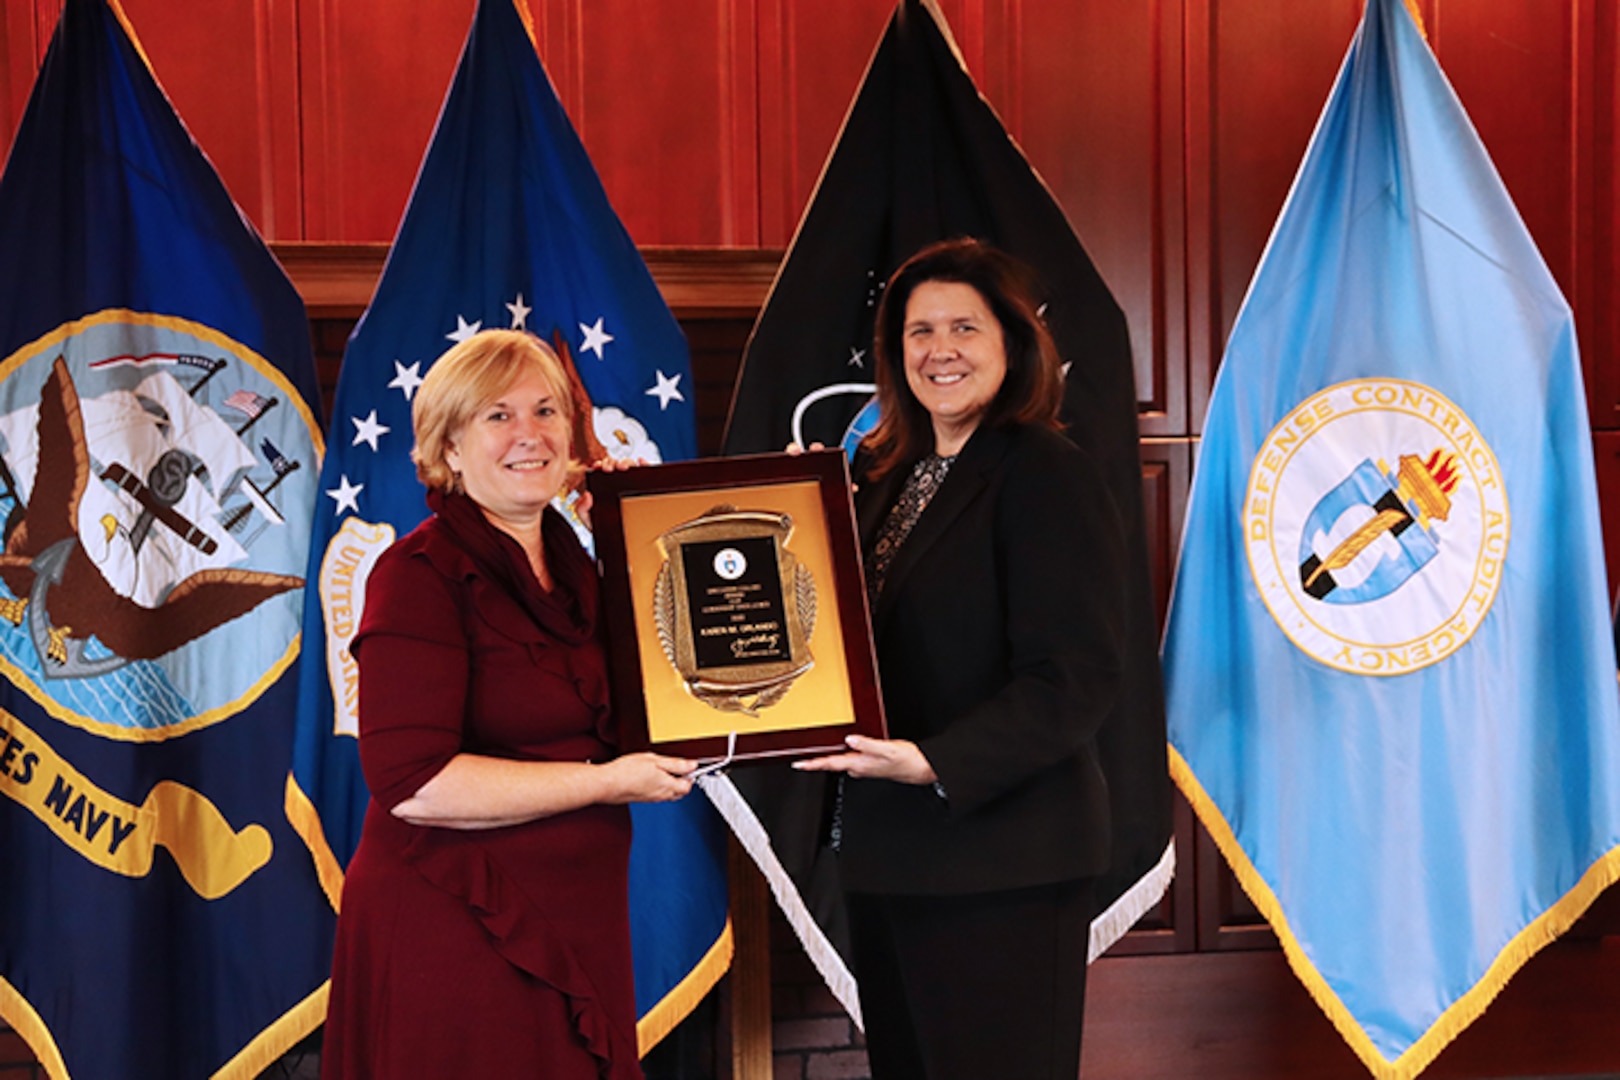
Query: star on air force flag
1389 663
158 454
508 226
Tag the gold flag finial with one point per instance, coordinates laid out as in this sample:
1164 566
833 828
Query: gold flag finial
1417 17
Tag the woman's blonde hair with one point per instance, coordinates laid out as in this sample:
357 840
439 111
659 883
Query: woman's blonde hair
460 382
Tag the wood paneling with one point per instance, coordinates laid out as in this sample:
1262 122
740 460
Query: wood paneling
1598 200
748 986
1258 75
1166 474
1172 927
25 30
1243 1016
241 104
372 74
810 58
1606 452
337 280
1227 921
1487 49
716 346
1105 135
692 62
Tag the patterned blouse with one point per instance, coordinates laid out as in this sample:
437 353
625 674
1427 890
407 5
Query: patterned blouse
921 487
925 479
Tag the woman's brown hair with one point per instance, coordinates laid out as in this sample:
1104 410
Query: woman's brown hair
1031 393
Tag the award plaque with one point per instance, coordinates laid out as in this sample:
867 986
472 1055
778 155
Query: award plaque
735 606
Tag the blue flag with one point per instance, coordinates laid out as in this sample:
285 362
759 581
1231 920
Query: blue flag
508 226
1389 667
158 458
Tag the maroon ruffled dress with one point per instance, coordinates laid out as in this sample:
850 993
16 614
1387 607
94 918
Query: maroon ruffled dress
496 952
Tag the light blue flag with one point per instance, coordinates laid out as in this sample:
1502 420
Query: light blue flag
1389 660
508 226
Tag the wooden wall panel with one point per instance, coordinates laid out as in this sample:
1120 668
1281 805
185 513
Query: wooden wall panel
233 78
1095 103
25 31
1172 926
558 33
1244 1016
1598 192
1166 474
1512 62
811 56
1166 477
1538 81
1258 75
372 76
668 116
1606 451
1527 73
993 36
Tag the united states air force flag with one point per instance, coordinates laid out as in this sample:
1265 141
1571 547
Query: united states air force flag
508 226
158 459
1389 665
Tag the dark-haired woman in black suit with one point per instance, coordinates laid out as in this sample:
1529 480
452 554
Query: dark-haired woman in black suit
968 842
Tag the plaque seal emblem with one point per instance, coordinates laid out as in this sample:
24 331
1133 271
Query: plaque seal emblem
735 608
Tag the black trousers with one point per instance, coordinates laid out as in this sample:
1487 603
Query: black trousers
973 987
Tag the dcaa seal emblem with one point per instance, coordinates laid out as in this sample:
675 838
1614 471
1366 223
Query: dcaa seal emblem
1376 525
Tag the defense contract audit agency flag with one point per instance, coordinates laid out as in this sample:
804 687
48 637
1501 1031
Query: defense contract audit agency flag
158 915
1389 666
508 226
923 157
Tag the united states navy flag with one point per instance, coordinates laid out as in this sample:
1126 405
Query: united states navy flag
158 456
923 157
508 226
1389 667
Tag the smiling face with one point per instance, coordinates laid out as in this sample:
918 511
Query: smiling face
955 358
512 455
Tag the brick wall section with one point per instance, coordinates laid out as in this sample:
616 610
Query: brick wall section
812 1038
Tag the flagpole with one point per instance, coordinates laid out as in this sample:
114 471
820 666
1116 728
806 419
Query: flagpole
749 988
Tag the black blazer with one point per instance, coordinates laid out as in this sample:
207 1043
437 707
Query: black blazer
999 643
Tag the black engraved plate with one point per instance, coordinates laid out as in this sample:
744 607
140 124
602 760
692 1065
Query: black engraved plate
734 594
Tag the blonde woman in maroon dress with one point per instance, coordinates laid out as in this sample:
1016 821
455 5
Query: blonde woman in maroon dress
484 928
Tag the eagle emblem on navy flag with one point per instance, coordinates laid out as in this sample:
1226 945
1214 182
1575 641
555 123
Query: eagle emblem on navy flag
143 464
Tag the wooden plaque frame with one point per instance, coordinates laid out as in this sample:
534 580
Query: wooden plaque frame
661 700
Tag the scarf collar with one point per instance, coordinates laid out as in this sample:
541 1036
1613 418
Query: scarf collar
568 612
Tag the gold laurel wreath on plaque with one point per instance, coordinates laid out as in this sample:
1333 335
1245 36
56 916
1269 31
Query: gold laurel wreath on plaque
745 688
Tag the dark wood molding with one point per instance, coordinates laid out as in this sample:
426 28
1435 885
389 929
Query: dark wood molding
1244 1016
337 280
714 283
